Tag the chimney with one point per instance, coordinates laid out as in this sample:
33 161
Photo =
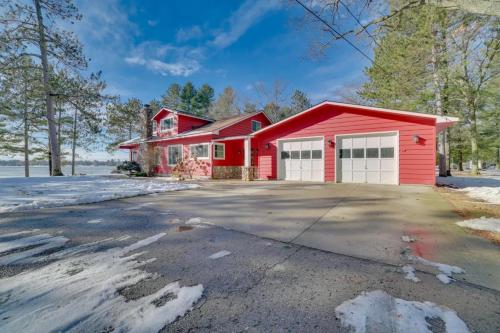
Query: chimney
147 114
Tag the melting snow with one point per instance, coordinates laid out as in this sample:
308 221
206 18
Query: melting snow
219 254
483 188
94 221
80 293
410 273
378 311
446 270
407 239
488 224
39 192
139 206
18 233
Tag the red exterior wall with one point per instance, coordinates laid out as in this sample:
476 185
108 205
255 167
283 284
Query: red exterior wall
244 127
416 160
205 167
182 123
234 152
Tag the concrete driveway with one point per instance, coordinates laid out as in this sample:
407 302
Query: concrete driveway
363 221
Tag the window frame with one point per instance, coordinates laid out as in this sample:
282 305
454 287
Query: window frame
168 154
256 122
223 151
200 144
165 119
154 127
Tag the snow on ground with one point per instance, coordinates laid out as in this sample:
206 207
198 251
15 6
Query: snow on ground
488 224
79 292
18 194
408 239
483 188
95 221
409 271
219 254
377 311
446 270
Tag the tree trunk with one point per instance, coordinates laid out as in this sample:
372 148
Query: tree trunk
26 132
55 154
498 159
73 144
460 160
49 154
439 111
59 125
473 139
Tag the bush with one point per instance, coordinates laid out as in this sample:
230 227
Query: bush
131 167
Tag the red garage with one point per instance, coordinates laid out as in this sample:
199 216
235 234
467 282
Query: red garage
350 144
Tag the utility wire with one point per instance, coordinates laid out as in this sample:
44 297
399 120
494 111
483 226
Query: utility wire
359 23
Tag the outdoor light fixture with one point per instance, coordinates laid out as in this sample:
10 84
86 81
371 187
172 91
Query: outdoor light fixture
330 142
416 138
268 145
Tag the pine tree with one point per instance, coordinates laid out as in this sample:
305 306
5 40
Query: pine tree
123 121
203 100
172 97
187 95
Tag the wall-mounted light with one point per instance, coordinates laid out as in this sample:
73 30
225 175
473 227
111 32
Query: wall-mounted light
416 138
268 145
331 143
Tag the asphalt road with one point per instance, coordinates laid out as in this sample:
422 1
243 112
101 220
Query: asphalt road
264 285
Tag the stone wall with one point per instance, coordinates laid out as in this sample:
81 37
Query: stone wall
226 172
249 173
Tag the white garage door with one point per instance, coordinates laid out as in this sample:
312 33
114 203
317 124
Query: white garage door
368 159
302 160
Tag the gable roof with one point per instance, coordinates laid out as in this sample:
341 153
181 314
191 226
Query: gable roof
187 114
212 128
439 119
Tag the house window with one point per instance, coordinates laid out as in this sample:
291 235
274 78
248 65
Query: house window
134 156
199 150
174 154
219 151
154 127
167 124
256 125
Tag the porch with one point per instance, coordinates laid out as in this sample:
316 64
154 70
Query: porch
233 158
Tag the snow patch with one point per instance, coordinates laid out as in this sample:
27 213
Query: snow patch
446 270
487 224
219 254
80 293
197 221
19 233
488 194
48 244
408 239
139 206
94 221
377 311
483 188
18 194
410 273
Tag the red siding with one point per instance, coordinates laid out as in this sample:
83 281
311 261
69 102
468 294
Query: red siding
234 152
185 123
244 127
416 160
205 167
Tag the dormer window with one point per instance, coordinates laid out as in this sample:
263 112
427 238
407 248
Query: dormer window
166 124
256 125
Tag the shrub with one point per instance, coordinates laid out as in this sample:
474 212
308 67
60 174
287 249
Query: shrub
131 167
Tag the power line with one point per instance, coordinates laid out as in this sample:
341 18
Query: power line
333 29
359 23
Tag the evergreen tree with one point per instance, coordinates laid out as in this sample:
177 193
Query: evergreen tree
172 97
187 95
299 103
203 100
123 121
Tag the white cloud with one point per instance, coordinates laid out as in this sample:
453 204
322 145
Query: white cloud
185 34
166 59
242 19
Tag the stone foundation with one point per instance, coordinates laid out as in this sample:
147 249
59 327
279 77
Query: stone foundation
226 172
248 173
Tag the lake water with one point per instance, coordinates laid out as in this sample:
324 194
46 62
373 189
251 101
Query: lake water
41 171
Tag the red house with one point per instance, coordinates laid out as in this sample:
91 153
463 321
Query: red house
331 141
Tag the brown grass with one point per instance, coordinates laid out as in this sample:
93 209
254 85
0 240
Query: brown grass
470 208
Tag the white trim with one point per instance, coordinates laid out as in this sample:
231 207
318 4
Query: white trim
396 150
178 136
200 144
182 113
245 118
304 138
168 154
168 129
439 119
223 151
229 138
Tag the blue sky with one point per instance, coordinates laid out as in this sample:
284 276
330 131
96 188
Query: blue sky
143 46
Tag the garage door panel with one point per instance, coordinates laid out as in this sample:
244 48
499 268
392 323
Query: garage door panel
367 159
306 162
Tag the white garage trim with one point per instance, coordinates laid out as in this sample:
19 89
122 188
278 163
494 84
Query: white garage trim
278 152
396 149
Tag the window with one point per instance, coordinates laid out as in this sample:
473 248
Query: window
317 154
345 153
174 154
219 151
358 153
387 152
305 154
256 125
154 127
295 154
199 150
134 156
167 124
371 152
285 155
